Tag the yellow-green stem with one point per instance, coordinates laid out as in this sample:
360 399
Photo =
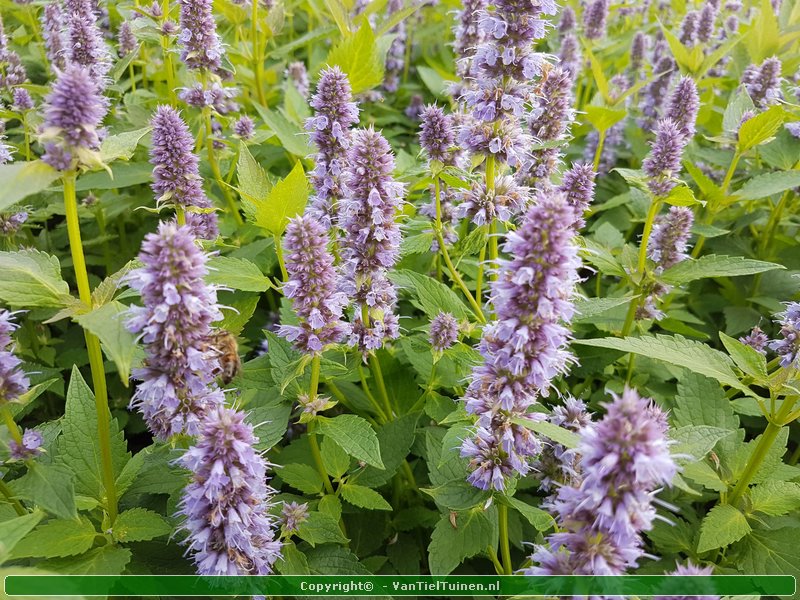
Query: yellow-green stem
312 436
13 428
169 67
505 547
279 252
641 265
92 347
377 374
180 215
257 59
212 160
598 153
9 495
712 206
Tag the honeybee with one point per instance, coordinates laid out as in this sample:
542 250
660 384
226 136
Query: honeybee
223 344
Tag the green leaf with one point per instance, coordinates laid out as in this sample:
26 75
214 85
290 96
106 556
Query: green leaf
763 37
359 495
773 552
715 265
321 528
675 350
107 322
747 358
253 182
285 200
738 106
696 440
303 477
589 308
139 525
125 175
457 495
78 447
429 295
14 530
270 421
50 487
769 184
761 128
690 59
358 56
122 145
540 519
237 274
558 434
775 498
701 401
451 545
106 560
32 279
354 435
238 311
23 179
603 118
335 460
723 525
57 538
681 195
395 440
433 80
291 137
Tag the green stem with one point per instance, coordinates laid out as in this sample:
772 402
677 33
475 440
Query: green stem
492 554
92 346
257 60
9 495
641 264
761 450
370 396
212 159
598 153
312 436
494 251
169 67
377 374
16 434
505 547
180 215
279 252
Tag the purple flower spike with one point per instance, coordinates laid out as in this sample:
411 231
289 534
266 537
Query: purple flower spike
226 505
624 460
558 466
437 135
55 39
526 347
668 243
297 74
334 114
763 82
468 35
73 112
688 33
13 381
664 160
371 245
29 448
688 570
177 386
706 23
578 186
756 339
788 345
87 46
244 127
22 100
683 106
443 331
292 515
312 286
595 20
126 39
395 57
638 47
202 48
568 21
176 175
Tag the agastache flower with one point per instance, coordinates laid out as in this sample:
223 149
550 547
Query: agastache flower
29 448
683 106
126 39
293 514
688 33
176 175
226 504
482 206
638 47
756 339
87 46
11 223
568 20
664 160
415 107
334 114
468 35
297 75
443 331
371 243
395 57
437 135
689 569
763 82
595 19
176 388
669 240
244 127
624 460
55 39
73 112
202 48
525 348
655 92
22 100
12 71
569 56
557 465
788 345
13 381
311 287
706 22
577 185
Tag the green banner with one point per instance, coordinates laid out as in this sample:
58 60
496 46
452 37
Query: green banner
443 586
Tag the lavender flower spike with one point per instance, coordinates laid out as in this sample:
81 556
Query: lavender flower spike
625 458
437 135
763 82
176 176
177 379
443 331
126 39
73 112
788 346
13 381
226 505
371 244
87 46
202 48
595 19
297 75
683 106
55 40
664 160
312 286
578 186
526 347
756 339
668 242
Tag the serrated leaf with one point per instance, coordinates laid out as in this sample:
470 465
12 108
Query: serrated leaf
106 560
681 195
774 552
747 358
395 440
451 545
354 435
775 498
335 460
122 145
107 322
139 525
270 421
237 274
359 495
738 106
457 495
761 128
565 437
292 138
285 200
303 477
676 350
358 56
722 526
253 182
50 487
696 440
57 538
591 307
321 528
32 279
602 117
23 179
769 184
714 265
540 519
14 530
431 296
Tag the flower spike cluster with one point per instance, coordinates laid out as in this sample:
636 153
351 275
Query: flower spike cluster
176 174
334 114
176 386
87 46
55 39
788 346
526 347
13 381
312 288
202 47
625 459
371 244
763 82
226 504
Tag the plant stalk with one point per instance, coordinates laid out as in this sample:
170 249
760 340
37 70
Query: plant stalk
505 547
